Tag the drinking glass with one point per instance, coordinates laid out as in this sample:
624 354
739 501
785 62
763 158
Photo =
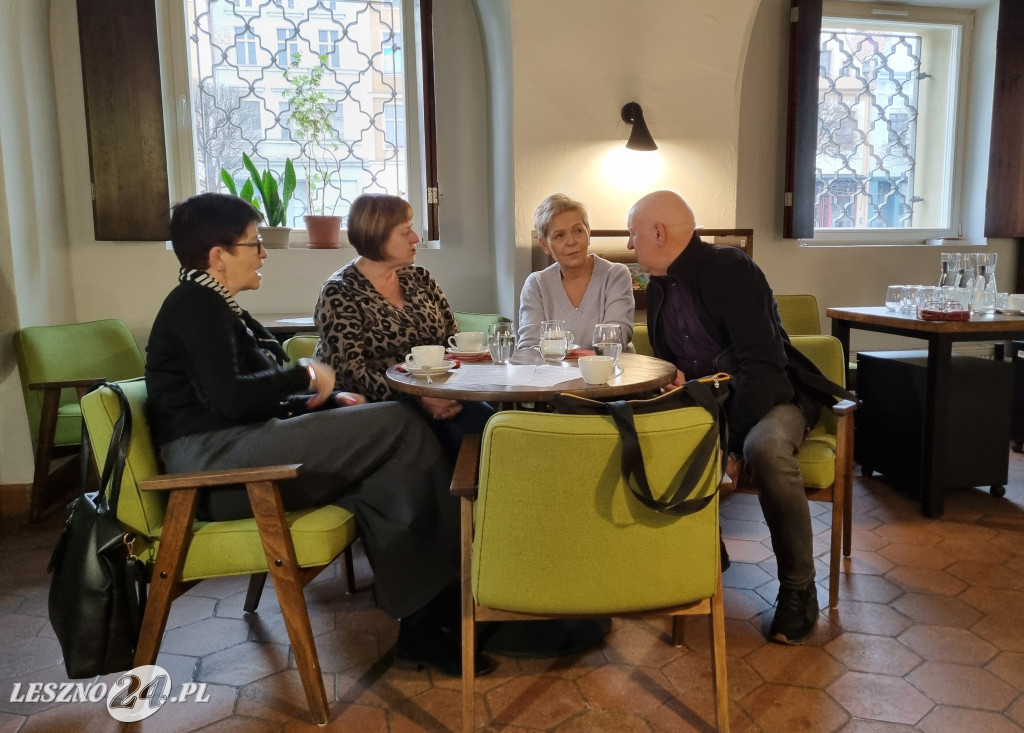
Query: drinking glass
554 340
908 302
501 341
893 297
608 340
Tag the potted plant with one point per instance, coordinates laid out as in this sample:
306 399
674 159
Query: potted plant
274 199
310 117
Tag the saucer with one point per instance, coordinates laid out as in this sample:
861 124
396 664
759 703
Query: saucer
460 352
430 371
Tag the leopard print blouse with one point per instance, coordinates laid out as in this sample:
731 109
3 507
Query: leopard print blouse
362 334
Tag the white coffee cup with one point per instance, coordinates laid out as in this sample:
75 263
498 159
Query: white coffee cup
1015 301
425 357
597 369
467 341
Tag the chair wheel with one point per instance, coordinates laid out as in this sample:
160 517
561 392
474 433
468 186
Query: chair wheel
1016 446
998 491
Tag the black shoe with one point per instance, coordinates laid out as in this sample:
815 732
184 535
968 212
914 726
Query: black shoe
725 554
796 611
435 650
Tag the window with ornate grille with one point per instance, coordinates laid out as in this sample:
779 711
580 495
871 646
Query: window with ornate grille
887 159
238 55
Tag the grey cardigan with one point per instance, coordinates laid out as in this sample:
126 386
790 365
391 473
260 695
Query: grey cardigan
608 299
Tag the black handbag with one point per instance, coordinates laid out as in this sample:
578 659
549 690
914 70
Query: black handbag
98 585
709 393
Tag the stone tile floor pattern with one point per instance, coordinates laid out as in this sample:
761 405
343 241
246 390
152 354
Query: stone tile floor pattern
929 635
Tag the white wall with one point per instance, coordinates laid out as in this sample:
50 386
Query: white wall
526 107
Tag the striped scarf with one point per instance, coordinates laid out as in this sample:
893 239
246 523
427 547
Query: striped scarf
264 339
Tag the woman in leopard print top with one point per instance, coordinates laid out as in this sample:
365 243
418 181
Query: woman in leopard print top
372 311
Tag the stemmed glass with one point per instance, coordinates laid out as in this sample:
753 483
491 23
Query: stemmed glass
608 340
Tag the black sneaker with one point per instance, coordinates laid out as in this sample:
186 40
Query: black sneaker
796 611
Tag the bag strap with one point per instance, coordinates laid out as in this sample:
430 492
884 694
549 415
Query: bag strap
117 452
678 502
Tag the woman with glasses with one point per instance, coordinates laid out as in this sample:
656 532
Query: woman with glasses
220 396
372 311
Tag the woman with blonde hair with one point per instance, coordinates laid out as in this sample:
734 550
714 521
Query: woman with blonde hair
580 288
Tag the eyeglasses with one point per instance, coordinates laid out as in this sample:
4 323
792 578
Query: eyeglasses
258 244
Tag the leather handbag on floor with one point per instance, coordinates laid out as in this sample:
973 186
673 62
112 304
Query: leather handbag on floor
709 393
98 586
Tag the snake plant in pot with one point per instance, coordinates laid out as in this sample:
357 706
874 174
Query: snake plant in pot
275 201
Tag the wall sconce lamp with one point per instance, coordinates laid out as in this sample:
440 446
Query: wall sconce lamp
640 138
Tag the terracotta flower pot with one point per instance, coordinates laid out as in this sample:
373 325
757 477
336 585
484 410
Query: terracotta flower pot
275 237
324 231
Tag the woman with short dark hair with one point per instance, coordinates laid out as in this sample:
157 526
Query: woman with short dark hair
219 397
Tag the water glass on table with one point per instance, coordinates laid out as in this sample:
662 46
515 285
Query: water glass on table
501 341
554 340
893 297
608 340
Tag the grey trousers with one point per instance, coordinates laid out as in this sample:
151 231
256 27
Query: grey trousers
769 456
380 461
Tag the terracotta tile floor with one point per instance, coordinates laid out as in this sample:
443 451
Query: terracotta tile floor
929 635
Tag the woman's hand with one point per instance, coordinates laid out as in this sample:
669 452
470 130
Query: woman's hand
347 399
322 384
440 409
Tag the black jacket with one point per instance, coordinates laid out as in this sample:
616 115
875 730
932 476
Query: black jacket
205 370
736 307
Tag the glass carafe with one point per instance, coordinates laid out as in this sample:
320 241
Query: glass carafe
984 300
949 276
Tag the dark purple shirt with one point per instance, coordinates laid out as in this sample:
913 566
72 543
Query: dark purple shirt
693 350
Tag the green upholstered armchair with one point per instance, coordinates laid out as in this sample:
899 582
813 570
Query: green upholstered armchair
478 321
826 457
58 364
180 551
799 314
300 347
549 529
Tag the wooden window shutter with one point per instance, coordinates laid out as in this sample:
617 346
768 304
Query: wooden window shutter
124 119
802 119
1004 205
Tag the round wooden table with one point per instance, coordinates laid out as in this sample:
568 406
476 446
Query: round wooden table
638 374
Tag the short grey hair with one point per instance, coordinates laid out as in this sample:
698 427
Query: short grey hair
552 206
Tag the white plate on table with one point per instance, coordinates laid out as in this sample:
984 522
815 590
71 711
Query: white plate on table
430 371
460 352
1009 312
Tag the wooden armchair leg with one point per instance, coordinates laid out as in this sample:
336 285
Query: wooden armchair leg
44 452
163 587
350 570
720 677
252 597
288 582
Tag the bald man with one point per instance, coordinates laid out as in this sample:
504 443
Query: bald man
710 309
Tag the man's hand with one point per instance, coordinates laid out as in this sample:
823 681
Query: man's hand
441 409
676 383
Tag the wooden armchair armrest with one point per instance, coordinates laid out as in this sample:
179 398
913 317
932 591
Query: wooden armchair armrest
199 479
464 477
68 384
845 407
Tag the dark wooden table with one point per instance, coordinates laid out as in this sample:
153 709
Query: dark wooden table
555 637
940 335
639 374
